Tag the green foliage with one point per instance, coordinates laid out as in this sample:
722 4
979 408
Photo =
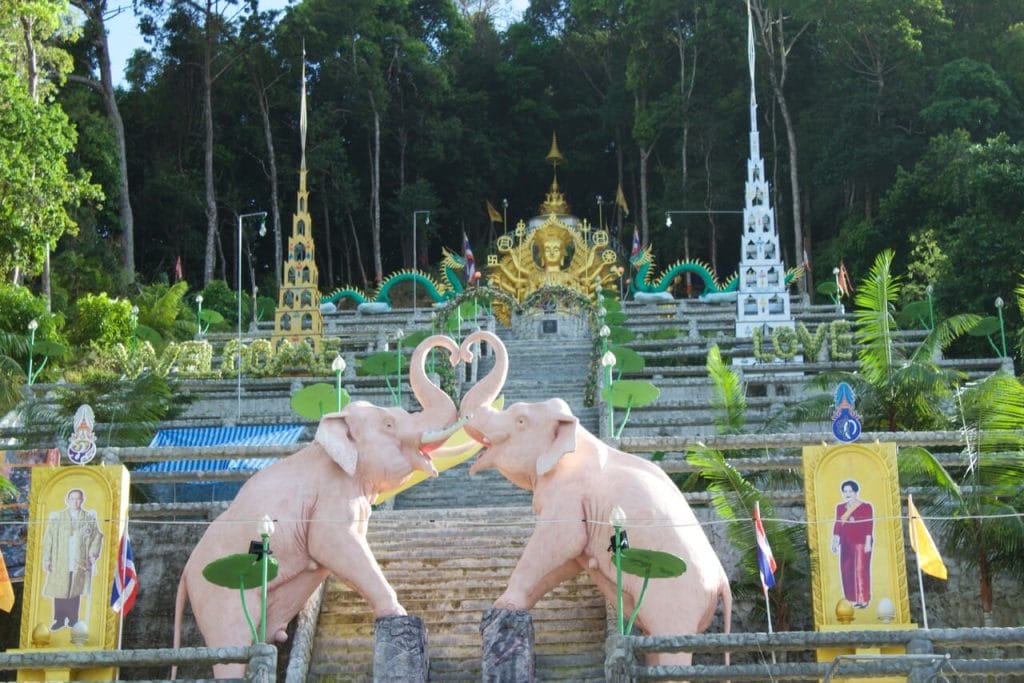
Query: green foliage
219 297
733 499
729 401
978 505
928 265
101 320
162 307
39 187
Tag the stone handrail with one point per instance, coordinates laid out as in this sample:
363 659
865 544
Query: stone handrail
261 659
920 664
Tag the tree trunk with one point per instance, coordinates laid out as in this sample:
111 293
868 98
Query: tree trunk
327 242
359 256
211 195
275 209
378 268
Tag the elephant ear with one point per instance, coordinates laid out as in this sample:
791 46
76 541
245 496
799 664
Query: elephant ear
334 435
563 443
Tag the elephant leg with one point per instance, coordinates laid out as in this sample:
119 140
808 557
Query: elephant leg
548 559
549 582
351 560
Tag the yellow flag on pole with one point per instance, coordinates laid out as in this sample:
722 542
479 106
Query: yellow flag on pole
6 589
928 557
620 199
493 214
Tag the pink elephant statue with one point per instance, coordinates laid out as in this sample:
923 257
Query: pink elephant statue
577 480
319 499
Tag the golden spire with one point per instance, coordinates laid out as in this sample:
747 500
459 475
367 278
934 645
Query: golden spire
554 157
554 202
302 110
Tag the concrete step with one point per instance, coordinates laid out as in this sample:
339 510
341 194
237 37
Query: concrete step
448 566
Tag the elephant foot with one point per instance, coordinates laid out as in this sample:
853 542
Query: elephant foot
507 646
400 650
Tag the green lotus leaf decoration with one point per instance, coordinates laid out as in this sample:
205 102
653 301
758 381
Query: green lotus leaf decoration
316 400
632 393
627 360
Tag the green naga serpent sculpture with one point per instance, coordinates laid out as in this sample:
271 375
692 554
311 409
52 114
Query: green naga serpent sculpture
452 265
644 262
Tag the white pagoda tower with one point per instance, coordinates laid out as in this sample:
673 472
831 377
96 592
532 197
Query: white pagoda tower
763 301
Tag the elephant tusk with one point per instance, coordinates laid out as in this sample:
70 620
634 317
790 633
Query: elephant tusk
436 437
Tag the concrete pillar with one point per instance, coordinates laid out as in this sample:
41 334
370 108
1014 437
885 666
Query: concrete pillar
400 650
507 646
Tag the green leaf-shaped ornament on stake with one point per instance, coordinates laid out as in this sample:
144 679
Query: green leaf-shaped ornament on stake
916 314
627 360
630 393
610 300
387 364
316 400
986 327
147 333
621 335
615 317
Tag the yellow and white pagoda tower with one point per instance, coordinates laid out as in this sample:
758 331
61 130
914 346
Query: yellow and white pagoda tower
298 317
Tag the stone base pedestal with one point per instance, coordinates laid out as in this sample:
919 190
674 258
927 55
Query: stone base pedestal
400 650
508 646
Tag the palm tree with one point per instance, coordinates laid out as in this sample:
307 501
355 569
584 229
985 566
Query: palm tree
12 374
898 383
979 505
734 497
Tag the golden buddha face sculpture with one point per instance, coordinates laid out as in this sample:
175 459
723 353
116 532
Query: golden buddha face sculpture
551 244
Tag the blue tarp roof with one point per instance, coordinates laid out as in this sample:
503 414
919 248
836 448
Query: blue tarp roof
255 435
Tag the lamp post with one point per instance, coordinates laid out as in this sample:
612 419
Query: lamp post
600 212
199 315
1002 326
618 521
504 216
414 260
135 327
33 325
931 308
398 343
238 358
339 367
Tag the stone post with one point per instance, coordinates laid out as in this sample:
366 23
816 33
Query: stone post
507 646
400 650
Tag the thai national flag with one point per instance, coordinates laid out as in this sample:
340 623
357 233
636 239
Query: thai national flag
765 560
636 242
467 253
126 581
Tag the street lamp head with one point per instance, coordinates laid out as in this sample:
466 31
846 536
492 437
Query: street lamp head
999 302
928 290
263 227
600 199
339 364
199 299
504 203
135 310
608 360
33 325
399 334
618 517
668 220
604 331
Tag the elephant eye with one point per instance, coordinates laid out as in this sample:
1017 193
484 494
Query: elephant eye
389 424
521 421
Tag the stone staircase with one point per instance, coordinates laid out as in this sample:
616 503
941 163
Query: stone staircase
448 566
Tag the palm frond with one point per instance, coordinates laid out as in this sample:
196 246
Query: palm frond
729 402
918 466
876 325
